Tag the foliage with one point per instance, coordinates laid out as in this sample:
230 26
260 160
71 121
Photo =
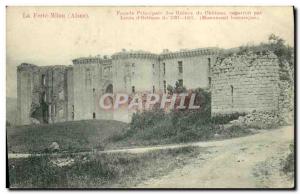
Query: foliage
88 171
289 162
277 45
72 136
223 119
159 127
284 52
176 89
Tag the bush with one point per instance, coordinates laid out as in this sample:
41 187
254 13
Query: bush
105 170
288 163
159 127
35 171
277 45
223 119
146 119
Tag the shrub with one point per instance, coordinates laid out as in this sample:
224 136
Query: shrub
146 119
105 170
35 171
288 163
223 119
158 127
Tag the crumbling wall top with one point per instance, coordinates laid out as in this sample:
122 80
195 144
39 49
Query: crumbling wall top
190 53
134 54
91 60
243 59
27 67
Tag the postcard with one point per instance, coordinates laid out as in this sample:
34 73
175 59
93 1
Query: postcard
150 97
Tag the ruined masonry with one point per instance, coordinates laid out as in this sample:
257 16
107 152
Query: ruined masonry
238 83
251 82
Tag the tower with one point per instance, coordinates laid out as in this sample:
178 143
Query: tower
25 78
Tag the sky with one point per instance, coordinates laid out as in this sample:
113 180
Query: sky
45 40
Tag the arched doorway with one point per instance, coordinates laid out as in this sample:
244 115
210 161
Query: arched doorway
109 89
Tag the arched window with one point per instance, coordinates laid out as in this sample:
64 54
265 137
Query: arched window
109 89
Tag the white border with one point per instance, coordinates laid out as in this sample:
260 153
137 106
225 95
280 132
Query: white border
5 3
151 2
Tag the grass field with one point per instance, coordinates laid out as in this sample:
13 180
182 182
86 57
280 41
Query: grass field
91 170
71 136
158 128
98 171
87 135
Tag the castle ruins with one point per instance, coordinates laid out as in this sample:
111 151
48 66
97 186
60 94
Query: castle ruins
238 83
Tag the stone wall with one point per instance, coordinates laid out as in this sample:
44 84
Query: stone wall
135 72
196 67
42 94
146 71
70 93
286 102
91 77
56 93
245 83
24 92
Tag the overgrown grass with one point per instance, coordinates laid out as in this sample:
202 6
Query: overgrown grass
71 136
288 163
105 170
179 126
158 127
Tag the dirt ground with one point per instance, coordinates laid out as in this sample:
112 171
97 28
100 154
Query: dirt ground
246 162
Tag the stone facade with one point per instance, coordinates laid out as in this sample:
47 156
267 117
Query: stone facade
286 101
92 77
247 83
142 71
63 93
196 67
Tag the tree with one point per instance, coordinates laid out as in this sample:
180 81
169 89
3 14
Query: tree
284 52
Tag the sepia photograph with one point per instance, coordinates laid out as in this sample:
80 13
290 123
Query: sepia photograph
150 97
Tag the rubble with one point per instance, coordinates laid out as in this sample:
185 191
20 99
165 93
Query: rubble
259 120
61 162
34 121
54 146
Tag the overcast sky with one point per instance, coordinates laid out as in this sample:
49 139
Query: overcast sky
43 41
